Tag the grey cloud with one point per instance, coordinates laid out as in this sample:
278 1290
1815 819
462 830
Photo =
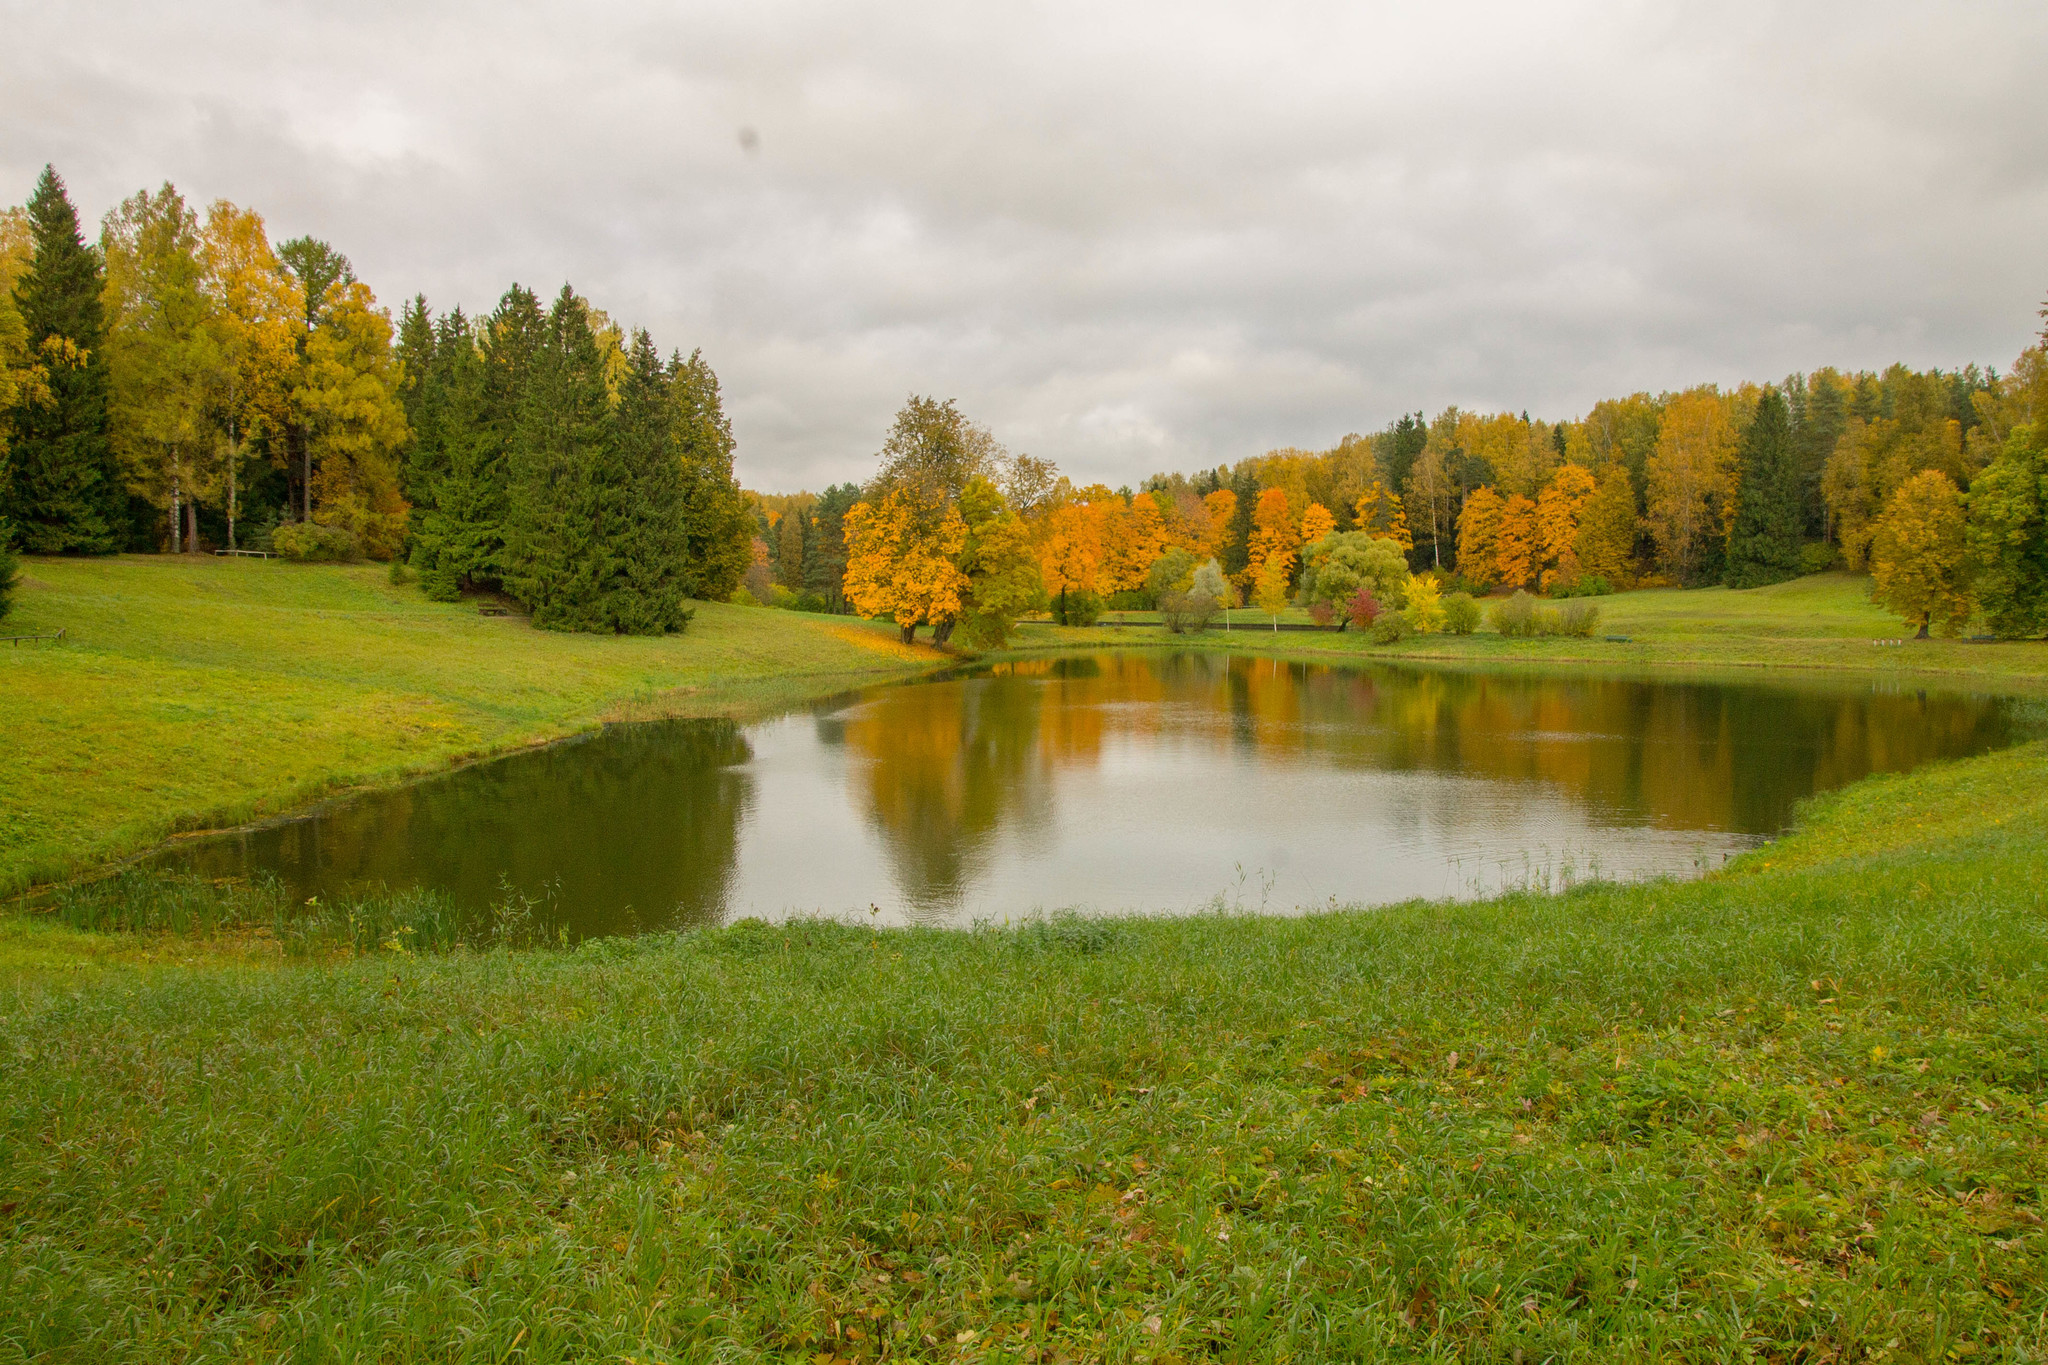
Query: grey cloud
1127 237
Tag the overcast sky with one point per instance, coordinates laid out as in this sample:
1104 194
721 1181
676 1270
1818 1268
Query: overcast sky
1127 237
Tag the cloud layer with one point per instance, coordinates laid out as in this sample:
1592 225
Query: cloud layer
1127 237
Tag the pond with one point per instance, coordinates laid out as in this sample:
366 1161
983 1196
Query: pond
1156 781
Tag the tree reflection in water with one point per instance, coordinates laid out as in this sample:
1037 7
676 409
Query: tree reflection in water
1140 780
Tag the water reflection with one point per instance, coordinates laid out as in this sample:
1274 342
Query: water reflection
1156 781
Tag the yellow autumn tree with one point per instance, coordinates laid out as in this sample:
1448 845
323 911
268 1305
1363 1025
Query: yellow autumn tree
1269 591
1558 512
1275 535
900 562
256 307
1380 512
1479 536
1425 609
348 395
1919 554
1514 549
1316 523
1606 542
1691 475
1133 539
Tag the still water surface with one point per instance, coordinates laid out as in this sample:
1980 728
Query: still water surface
1155 781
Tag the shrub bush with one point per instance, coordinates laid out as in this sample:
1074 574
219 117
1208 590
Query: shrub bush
1592 585
9 563
1461 614
1131 601
1076 608
1577 619
1186 612
401 573
308 542
1516 617
1389 627
1322 613
1818 557
1362 609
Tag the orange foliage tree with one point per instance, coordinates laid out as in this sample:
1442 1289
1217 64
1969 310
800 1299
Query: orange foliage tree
1479 536
901 564
1316 523
1558 512
1514 546
1070 550
1133 539
1274 535
1221 507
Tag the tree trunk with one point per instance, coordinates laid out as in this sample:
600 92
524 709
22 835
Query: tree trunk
234 451
1922 633
191 528
910 634
176 526
942 632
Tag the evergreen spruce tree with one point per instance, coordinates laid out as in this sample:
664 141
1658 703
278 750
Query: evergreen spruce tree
825 557
648 541
66 490
718 530
1821 415
455 483
568 484
1763 542
1237 537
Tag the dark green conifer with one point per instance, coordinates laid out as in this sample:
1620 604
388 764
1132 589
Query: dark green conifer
66 491
568 484
718 529
1237 538
825 557
648 540
1763 542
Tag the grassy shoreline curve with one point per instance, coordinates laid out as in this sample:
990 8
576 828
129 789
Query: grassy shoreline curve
1797 1110
192 694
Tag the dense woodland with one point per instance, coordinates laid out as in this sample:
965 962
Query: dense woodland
1934 482
183 383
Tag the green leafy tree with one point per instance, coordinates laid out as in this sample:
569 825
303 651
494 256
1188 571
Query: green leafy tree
164 359
1173 571
2009 534
1001 565
1919 555
1763 542
67 491
1338 565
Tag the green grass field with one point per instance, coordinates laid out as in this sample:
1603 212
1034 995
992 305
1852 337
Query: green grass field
193 693
1797 1111
1826 621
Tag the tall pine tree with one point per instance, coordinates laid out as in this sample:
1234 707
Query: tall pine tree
649 542
66 488
1763 542
825 560
568 483
718 529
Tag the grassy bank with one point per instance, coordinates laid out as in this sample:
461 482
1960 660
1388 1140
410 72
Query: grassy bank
1795 1112
193 693
1823 622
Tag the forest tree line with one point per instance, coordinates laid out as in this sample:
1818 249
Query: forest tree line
183 383
1932 481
